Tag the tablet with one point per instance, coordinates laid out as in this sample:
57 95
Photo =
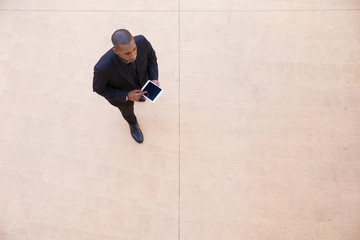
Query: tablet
153 91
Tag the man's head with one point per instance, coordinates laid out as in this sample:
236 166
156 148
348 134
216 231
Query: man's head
124 45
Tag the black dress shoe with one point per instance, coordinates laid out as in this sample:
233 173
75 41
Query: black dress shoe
142 99
136 133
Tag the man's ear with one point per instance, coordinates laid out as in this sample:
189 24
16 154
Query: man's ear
115 51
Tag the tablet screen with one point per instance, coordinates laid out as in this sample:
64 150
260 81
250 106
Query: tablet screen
152 89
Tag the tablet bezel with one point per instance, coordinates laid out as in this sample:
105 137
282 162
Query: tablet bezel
150 82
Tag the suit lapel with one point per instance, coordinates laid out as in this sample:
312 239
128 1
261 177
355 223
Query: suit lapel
122 70
139 64
138 69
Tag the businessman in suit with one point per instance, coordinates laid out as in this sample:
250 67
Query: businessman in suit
122 71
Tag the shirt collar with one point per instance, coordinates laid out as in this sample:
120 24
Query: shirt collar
122 61
125 61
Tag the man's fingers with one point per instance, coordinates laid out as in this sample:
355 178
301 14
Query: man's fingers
156 82
136 92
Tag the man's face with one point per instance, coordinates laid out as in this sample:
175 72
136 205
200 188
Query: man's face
127 52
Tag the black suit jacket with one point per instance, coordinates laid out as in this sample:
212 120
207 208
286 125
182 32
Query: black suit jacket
112 79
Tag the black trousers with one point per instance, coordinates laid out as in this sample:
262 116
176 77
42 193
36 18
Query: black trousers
127 111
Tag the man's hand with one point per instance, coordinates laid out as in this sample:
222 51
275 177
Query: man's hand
156 82
135 95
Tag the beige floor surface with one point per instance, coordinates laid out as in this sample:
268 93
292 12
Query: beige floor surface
255 137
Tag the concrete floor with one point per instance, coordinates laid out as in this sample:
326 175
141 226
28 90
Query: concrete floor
255 137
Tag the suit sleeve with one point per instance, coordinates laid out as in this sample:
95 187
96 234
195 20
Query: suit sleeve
101 87
152 66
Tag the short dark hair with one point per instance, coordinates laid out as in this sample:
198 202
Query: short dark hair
121 37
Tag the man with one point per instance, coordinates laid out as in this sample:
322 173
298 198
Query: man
122 71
